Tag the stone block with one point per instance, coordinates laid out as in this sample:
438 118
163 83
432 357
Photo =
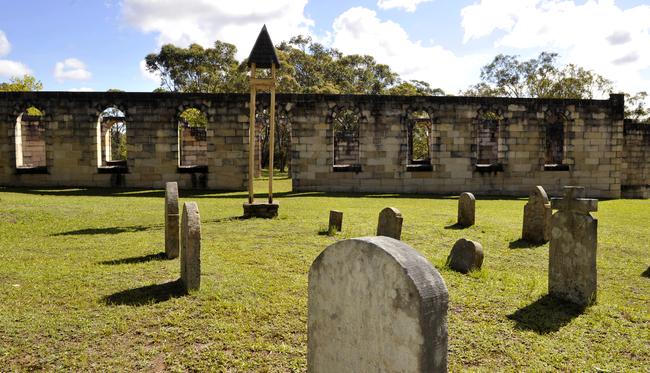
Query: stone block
375 305
336 220
537 217
171 220
466 209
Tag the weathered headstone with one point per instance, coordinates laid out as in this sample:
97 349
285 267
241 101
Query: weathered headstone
572 255
375 305
191 247
171 220
466 209
390 223
336 220
465 256
537 217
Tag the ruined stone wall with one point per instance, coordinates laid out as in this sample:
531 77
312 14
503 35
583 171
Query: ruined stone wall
636 161
593 148
33 144
194 147
71 140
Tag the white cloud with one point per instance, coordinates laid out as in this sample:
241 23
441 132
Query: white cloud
598 34
81 89
12 68
408 5
5 46
71 69
360 31
155 76
204 21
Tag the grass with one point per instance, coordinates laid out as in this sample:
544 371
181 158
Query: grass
84 286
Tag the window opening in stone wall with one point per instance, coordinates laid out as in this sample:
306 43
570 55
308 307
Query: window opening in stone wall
192 139
112 139
554 152
346 124
488 139
419 141
30 140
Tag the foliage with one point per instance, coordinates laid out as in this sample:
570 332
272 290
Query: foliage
17 84
539 77
193 117
85 287
421 140
33 111
635 107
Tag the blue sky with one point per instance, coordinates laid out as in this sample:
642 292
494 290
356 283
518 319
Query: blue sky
100 44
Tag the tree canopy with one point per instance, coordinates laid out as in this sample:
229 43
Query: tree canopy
17 84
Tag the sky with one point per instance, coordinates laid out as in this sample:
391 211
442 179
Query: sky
96 45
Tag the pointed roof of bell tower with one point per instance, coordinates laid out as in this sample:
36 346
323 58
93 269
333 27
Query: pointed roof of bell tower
263 53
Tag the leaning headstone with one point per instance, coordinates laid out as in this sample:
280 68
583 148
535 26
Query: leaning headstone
171 220
336 221
375 305
465 256
572 255
466 209
191 247
537 217
390 223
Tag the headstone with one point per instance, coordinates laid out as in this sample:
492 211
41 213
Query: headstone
465 256
375 305
466 209
171 220
191 247
572 254
390 223
537 217
336 220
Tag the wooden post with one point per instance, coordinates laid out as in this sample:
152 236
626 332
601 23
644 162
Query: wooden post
251 139
272 139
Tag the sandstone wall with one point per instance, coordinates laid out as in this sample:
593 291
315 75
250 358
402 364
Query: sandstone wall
636 161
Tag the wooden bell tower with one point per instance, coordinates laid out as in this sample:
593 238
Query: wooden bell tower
262 56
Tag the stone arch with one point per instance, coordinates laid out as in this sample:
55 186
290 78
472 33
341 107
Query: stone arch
488 131
30 138
111 136
555 131
419 124
192 126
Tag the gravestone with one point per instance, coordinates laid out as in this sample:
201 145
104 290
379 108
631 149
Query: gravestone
171 220
537 217
390 223
465 256
375 305
466 209
191 247
572 254
336 220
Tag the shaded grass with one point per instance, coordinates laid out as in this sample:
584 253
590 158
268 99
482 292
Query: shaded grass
84 285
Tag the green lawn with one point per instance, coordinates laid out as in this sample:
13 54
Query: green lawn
83 285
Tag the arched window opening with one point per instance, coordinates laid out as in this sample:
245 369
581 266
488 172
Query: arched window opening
192 138
30 140
346 124
112 139
554 152
419 135
488 138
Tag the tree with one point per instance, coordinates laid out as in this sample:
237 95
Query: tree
635 108
197 69
26 83
539 77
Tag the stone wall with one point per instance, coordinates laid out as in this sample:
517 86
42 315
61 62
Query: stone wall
194 146
636 160
594 152
71 140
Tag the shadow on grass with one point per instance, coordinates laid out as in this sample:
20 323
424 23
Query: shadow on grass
136 259
229 194
147 294
227 219
646 273
523 244
455 226
546 315
110 230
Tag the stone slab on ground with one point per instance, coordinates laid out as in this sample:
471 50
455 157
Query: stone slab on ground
191 247
172 238
390 223
465 256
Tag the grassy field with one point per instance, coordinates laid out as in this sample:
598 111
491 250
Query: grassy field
83 284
